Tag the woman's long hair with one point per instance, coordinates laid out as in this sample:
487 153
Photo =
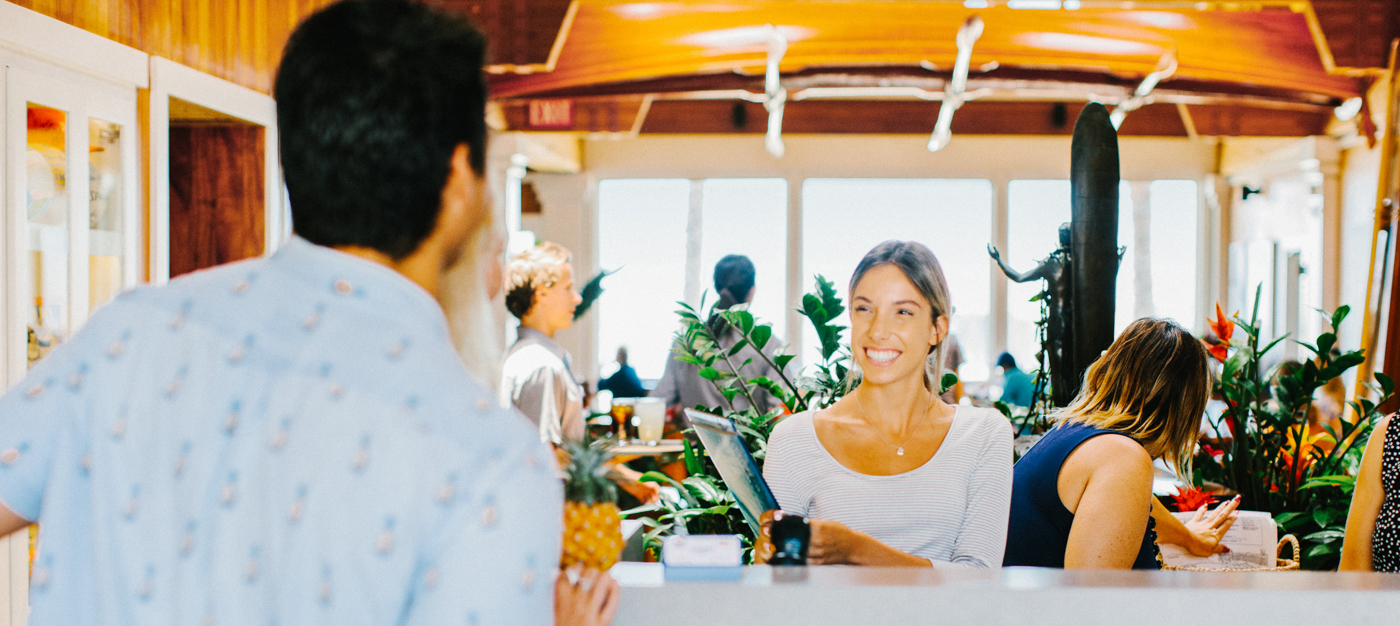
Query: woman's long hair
1152 385
471 314
921 267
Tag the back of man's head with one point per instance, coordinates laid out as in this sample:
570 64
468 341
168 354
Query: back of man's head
373 97
1006 361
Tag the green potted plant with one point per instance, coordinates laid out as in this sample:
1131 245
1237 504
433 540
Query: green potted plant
1269 451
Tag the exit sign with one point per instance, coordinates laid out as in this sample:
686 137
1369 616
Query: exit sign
551 114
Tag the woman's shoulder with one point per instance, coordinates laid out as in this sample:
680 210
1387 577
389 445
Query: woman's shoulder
791 429
985 421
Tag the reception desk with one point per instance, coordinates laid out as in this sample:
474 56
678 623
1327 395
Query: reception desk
816 596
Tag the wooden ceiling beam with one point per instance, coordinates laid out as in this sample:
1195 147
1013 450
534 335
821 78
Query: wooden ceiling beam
974 118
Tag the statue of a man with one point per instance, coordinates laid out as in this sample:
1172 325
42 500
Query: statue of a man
1055 271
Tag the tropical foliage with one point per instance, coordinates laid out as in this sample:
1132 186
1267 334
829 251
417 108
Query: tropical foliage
1299 470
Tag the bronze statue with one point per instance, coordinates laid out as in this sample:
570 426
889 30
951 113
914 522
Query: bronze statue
1081 275
1054 270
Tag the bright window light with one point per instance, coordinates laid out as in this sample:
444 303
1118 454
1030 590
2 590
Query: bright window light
641 233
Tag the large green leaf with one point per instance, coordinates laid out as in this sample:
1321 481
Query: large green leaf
1339 315
1325 535
590 293
948 382
1325 517
1387 385
760 335
782 360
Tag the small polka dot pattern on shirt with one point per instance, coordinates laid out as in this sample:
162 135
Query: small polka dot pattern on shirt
1385 540
286 440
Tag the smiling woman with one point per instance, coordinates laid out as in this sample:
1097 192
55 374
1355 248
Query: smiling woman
890 474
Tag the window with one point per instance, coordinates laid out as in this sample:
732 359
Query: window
844 218
642 234
748 216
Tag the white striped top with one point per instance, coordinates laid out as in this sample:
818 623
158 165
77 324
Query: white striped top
952 510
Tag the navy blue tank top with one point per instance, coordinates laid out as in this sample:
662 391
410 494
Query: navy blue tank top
1040 523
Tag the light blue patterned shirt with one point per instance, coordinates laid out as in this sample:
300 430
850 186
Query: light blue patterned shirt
288 441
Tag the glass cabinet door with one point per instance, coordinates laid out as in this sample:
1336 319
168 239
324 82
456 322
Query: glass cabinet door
70 206
46 242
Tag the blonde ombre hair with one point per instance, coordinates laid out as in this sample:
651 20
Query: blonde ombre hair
1152 385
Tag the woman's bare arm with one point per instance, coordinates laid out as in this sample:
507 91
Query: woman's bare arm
1365 504
1112 476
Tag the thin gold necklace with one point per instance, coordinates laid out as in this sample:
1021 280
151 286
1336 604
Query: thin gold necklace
898 449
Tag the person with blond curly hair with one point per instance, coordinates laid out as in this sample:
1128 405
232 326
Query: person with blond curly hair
537 376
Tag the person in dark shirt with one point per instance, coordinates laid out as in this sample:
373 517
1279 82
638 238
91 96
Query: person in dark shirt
623 384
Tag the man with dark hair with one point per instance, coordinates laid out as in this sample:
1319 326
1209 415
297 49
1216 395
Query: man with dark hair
1017 386
293 439
624 383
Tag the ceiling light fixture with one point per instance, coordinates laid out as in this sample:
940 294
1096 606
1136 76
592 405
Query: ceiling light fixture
775 96
956 89
1348 110
1166 66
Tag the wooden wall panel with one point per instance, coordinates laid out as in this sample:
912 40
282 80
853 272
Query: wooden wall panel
237 40
216 195
241 40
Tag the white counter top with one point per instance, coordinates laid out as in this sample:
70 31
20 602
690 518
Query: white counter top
816 596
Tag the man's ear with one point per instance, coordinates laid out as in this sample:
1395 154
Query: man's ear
463 205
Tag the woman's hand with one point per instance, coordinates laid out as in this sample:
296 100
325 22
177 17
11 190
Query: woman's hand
585 597
832 543
1206 529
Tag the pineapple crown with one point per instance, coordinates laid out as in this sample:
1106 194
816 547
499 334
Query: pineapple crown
586 471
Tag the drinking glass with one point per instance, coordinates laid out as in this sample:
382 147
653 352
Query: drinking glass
651 418
622 411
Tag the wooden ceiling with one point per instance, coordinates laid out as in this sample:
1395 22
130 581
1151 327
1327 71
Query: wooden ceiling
1244 68
617 83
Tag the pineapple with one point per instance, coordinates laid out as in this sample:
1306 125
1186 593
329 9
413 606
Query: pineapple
592 526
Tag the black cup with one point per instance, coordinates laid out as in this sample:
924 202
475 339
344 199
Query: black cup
790 534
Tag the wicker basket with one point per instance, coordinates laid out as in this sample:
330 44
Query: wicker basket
1280 564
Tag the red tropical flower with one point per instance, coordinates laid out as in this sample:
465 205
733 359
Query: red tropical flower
1220 351
1191 498
1212 452
1223 329
1221 325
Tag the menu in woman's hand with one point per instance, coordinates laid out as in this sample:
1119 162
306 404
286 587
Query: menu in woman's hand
1253 543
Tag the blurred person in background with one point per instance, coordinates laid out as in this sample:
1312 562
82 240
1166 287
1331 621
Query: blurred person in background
681 383
624 382
1017 386
537 376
